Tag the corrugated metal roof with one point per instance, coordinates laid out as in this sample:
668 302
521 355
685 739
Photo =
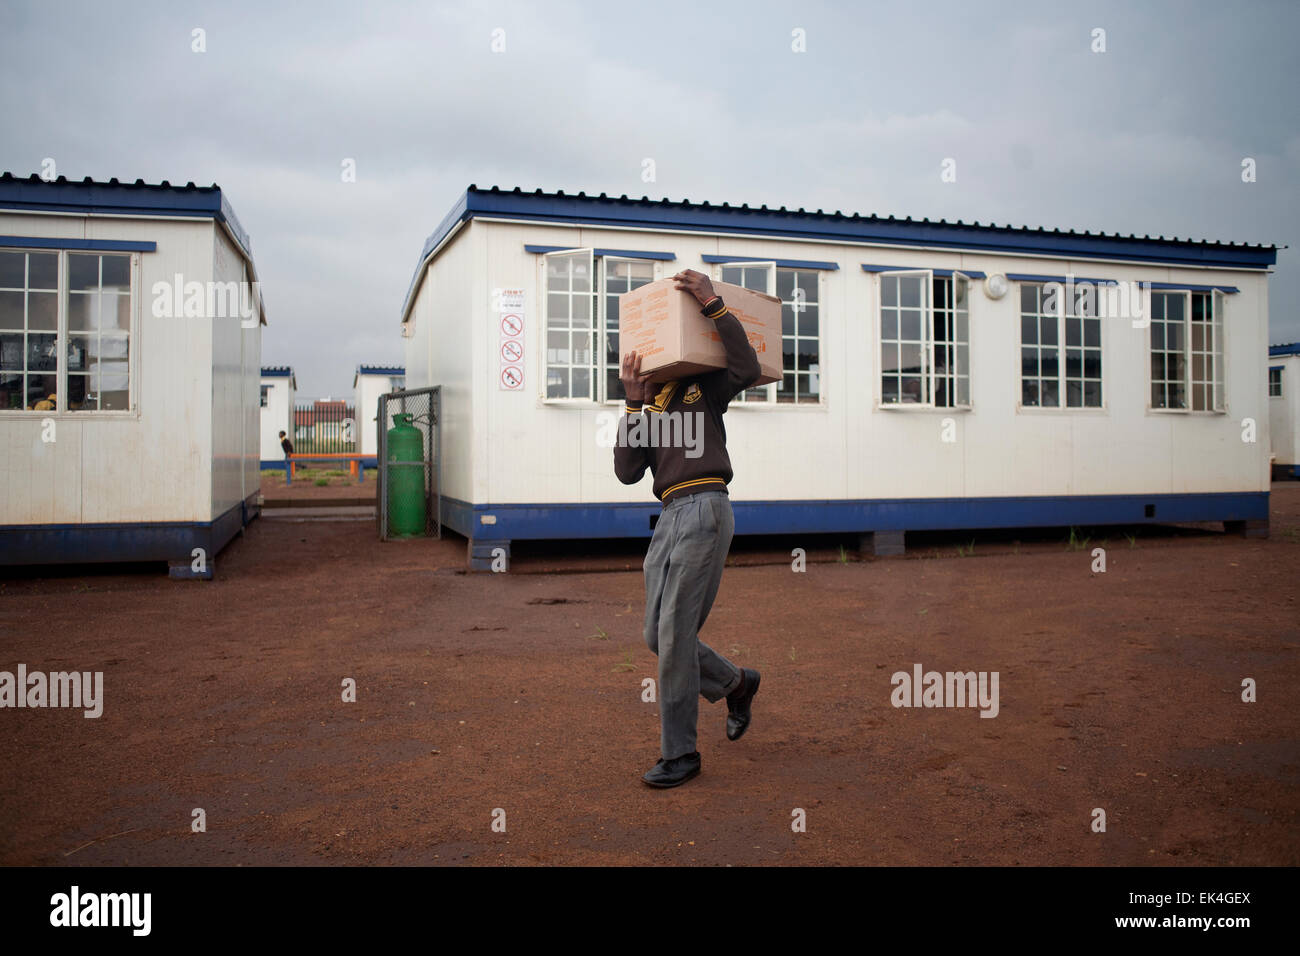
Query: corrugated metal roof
1291 348
137 198
647 213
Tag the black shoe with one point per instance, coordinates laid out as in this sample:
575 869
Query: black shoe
675 772
738 707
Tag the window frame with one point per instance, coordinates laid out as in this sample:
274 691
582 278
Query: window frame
598 368
1217 301
1280 393
930 374
768 396
63 338
1062 345
602 369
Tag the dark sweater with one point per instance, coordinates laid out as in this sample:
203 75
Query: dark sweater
679 435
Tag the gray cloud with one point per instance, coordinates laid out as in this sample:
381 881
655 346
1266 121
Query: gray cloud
1146 138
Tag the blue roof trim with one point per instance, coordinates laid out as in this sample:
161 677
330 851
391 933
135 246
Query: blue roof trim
113 197
644 213
1276 368
1027 277
380 370
783 263
96 245
1291 348
1184 287
276 371
624 253
945 273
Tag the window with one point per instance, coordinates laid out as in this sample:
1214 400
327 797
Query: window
582 290
618 276
924 339
1187 351
266 391
1275 382
1060 347
800 328
70 359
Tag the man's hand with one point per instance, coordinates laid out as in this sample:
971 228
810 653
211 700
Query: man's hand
637 387
696 283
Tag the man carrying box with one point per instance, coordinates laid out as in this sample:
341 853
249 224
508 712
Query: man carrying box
683 567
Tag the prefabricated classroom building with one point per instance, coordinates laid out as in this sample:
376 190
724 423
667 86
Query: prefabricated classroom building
129 423
934 376
370 382
279 388
1284 408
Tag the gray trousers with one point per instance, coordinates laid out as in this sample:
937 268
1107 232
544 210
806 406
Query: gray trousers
683 569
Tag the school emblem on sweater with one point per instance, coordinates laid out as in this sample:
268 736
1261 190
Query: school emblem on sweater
692 394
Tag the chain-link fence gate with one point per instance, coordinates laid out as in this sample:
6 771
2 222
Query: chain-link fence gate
410 463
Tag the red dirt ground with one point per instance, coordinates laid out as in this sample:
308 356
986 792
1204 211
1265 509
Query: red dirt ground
275 490
521 691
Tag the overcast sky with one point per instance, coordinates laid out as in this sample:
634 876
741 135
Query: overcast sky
1147 137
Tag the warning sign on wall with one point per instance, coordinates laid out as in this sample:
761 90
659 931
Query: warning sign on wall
510 308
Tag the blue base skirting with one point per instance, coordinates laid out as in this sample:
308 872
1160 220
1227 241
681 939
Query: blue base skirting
171 541
617 520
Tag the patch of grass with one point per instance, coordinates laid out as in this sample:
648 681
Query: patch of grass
1077 543
792 652
321 482
1292 534
1132 540
336 474
600 635
844 555
277 475
967 550
627 664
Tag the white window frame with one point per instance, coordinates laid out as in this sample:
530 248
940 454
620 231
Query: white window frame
760 396
62 339
1218 380
600 313
929 375
768 396
1280 369
656 273
1063 314
544 329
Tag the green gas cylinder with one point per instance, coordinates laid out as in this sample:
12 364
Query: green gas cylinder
406 507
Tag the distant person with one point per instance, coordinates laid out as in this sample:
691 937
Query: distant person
286 445
683 567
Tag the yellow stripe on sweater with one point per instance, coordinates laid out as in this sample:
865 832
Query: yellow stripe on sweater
690 484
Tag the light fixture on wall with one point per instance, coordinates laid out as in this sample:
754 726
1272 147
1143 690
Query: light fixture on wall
996 286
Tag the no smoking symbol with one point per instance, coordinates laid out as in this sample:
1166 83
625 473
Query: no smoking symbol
512 352
512 324
512 377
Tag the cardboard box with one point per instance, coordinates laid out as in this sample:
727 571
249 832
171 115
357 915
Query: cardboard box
665 327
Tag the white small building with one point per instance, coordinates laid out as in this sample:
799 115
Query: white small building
369 382
1284 409
130 347
938 375
279 388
